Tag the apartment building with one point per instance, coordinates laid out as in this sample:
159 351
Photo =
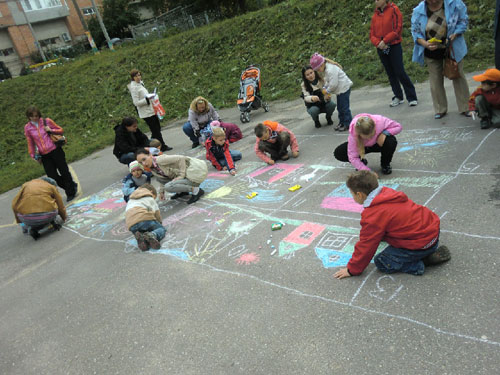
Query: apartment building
55 24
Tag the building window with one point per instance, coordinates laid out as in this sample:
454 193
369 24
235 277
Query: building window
40 4
49 41
88 11
7 52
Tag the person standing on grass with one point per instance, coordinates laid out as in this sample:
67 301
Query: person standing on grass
43 150
385 33
142 101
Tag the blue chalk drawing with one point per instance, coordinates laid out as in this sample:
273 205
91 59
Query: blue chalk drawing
211 184
332 258
408 147
175 253
264 196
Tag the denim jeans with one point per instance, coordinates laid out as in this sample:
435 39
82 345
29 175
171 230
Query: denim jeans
149 226
127 158
392 259
315 110
387 151
343 107
394 67
236 155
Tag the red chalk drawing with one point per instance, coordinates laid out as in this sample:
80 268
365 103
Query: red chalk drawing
342 204
218 174
111 204
286 170
305 233
248 258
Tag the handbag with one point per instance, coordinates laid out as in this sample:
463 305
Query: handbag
58 139
450 67
197 170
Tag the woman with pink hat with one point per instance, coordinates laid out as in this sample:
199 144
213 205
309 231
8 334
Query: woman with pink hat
336 82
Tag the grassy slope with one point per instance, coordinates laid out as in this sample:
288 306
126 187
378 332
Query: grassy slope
89 96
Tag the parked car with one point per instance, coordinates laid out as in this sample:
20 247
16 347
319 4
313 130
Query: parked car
117 42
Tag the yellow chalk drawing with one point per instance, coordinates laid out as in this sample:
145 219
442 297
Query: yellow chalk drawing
220 192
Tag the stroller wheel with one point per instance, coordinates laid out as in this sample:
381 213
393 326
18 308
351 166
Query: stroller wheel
265 106
247 116
242 117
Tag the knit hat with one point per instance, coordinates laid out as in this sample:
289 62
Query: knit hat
316 61
215 123
489 75
135 165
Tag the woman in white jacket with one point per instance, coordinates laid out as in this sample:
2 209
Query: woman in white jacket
336 82
141 99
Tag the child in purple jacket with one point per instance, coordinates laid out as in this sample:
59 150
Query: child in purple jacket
369 133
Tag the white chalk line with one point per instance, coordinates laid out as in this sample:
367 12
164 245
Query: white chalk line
461 166
364 309
361 286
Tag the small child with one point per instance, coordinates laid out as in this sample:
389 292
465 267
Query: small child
274 138
154 147
336 83
411 230
486 99
136 178
142 218
233 132
218 152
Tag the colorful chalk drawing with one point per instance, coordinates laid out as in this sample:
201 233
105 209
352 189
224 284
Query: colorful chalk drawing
225 225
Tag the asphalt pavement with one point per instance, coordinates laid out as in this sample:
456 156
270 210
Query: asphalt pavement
228 295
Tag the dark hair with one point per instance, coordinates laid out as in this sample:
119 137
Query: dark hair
488 82
362 181
259 130
129 121
133 73
307 83
141 150
32 110
150 187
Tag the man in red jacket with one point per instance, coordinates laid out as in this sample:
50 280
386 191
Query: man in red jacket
486 99
411 230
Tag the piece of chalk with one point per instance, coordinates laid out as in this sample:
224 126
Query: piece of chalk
272 246
273 252
268 242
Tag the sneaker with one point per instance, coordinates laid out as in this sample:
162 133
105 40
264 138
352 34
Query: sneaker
364 161
396 101
195 144
342 128
485 123
329 121
439 116
194 198
178 195
34 233
466 114
317 124
141 241
166 148
285 156
56 226
441 255
151 239
413 103
386 169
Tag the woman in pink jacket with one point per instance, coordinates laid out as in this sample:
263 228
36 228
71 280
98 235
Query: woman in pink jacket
369 133
41 149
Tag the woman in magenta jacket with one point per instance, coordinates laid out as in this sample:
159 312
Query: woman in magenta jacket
41 149
369 133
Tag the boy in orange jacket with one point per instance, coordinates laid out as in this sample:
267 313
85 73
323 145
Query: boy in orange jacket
485 101
274 139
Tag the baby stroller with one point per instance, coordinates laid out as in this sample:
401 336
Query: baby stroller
249 97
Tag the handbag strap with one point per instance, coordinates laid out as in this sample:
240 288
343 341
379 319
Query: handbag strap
449 51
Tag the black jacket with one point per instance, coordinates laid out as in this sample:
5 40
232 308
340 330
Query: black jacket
124 142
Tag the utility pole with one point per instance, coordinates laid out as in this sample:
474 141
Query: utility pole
103 28
37 44
80 15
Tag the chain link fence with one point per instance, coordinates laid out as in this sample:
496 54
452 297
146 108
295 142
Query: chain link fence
174 21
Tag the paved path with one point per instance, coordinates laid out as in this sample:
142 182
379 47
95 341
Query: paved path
226 295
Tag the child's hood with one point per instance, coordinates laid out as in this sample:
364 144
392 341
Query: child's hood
141 193
386 195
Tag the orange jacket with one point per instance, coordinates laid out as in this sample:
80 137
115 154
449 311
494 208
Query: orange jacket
276 127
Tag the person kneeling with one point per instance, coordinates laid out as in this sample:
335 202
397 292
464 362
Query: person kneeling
485 101
218 152
274 139
411 230
142 217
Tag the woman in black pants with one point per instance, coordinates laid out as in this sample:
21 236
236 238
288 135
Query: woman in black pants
141 99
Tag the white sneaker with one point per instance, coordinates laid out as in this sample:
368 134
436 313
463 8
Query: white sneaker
413 103
396 101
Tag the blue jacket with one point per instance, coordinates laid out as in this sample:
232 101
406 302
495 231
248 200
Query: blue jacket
456 20
129 185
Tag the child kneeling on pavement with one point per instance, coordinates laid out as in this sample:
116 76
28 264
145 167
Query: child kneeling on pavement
485 101
274 139
142 217
218 152
411 230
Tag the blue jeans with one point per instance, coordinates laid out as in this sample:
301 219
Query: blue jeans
188 130
343 106
392 259
315 110
393 64
236 155
149 226
127 158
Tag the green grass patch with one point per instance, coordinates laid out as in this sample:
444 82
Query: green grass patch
88 96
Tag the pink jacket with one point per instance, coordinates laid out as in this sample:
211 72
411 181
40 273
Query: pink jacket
40 138
277 127
381 123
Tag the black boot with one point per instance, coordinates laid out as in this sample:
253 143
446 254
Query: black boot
329 120
317 124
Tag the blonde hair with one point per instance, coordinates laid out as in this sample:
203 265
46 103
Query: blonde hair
199 100
364 126
218 132
334 63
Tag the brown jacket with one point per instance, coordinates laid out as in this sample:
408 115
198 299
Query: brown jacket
38 196
141 207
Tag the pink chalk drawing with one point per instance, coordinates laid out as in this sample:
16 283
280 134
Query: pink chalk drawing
286 170
301 237
112 204
341 204
219 174
248 258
